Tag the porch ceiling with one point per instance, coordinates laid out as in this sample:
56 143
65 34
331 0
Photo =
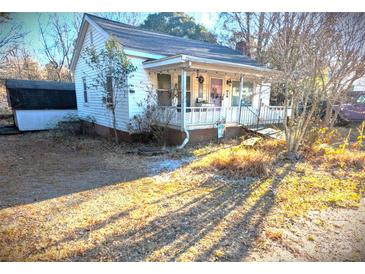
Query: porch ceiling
196 63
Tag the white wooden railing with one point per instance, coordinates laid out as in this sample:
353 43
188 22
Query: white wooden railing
211 115
208 116
272 114
169 115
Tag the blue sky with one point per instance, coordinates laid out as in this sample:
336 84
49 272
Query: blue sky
32 41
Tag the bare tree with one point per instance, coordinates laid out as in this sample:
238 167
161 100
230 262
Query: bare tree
345 62
130 18
318 61
296 52
58 43
112 69
318 56
249 32
11 34
21 65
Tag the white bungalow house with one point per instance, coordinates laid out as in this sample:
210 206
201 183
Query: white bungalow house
215 84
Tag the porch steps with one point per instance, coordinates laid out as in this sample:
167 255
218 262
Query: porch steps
269 132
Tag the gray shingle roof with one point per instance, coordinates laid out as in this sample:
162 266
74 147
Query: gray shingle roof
164 44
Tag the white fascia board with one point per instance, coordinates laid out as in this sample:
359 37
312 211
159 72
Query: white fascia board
143 54
79 42
164 62
185 58
230 64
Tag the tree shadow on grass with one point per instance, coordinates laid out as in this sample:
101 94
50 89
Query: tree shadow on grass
179 231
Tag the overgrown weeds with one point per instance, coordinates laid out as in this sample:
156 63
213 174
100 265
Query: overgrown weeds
237 162
345 155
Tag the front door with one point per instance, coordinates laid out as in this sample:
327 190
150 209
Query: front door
216 87
235 93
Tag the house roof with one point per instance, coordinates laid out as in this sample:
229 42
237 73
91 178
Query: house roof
159 43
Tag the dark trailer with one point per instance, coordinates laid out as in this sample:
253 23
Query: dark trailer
40 105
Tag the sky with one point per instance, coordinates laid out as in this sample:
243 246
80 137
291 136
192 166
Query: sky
32 41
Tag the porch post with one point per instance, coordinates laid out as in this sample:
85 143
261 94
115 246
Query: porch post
240 98
183 98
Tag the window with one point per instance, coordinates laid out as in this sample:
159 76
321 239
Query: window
164 81
91 37
246 93
109 89
361 99
164 89
85 89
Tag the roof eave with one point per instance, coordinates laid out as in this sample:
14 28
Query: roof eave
178 59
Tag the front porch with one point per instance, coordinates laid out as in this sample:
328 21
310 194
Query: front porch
201 93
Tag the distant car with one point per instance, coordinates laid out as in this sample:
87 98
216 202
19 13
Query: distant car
354 111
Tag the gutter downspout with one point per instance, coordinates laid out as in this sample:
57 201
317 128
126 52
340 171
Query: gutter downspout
183 106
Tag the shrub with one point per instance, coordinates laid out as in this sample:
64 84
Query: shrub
72 125
237 162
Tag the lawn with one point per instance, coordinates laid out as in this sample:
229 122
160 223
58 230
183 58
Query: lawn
83 199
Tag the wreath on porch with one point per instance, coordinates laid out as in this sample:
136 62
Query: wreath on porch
201 79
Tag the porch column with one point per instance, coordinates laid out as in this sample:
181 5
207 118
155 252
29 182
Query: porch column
240 98
183 98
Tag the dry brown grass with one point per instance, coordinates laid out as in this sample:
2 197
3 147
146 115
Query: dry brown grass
237 162
183 215
272 146
347 159
274 235
331 157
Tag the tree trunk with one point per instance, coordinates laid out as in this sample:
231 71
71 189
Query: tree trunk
115 127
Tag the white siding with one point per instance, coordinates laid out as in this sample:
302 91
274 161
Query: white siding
95 107
139 81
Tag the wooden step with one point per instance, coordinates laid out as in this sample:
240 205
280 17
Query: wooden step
9 130
269 132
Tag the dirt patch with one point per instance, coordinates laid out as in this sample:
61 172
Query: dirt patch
39 166
336 234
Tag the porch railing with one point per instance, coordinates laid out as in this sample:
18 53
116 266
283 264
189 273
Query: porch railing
272 114
204 116
211 115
